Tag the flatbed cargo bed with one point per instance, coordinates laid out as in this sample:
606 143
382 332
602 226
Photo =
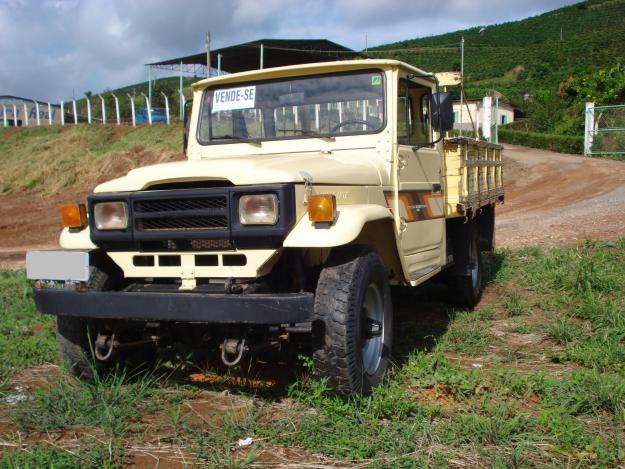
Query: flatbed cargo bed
473 175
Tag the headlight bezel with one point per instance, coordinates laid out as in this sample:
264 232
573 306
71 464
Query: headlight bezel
271 203
109 225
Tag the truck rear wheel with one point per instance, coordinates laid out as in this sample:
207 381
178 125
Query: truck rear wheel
466 289
352 327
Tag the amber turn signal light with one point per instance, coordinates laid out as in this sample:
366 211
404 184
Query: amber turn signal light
322 208
74 216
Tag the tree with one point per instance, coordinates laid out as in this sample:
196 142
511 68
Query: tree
601 87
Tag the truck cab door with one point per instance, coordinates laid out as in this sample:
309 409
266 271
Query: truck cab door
419 189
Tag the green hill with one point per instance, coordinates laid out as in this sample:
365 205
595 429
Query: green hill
527 55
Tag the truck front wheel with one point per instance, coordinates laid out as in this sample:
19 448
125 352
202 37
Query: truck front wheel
75 336
352 328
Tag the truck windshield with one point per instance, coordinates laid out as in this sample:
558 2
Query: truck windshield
313 106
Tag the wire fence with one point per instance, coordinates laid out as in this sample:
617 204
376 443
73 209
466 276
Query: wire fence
604 132
99 109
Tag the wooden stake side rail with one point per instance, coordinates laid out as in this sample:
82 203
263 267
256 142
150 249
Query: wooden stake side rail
472 175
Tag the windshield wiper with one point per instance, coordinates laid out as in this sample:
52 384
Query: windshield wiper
310 133
252 141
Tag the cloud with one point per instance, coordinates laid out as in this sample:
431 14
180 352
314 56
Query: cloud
54 48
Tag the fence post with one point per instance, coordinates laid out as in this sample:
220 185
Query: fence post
14 115
116 108
147 105
132 109
88 110
75 114
49 114
103 110
166 106
4 116
183 103
62 113
25 115
37 111
589 128
496 139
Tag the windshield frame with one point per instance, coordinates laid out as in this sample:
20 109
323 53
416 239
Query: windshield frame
382 127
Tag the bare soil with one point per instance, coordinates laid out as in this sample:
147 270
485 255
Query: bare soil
554 199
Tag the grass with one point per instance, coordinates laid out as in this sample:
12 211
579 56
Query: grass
26 337
560 402
49 160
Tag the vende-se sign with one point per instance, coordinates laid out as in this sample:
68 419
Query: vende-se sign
234 98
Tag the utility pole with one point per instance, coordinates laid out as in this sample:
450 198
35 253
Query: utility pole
560 33
208 54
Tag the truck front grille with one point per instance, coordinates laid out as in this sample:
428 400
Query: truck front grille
175 213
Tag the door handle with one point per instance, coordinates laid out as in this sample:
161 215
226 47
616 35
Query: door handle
436 188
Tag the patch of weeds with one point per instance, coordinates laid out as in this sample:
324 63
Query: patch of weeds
111 403
26 336
600 353
466 334
498 424
564 428
586 392
514 305
426 371
522 328
387 426
42 455
563 331
216 445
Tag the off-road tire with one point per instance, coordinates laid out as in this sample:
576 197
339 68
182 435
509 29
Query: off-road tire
75 336
465 290
338 321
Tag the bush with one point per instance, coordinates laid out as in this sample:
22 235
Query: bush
557 143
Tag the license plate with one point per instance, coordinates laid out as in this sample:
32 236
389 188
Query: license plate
58 265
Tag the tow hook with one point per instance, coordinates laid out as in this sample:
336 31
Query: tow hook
105 345
233 348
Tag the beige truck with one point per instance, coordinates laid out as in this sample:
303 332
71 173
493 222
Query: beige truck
308 192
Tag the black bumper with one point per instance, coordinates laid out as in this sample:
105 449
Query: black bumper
287 308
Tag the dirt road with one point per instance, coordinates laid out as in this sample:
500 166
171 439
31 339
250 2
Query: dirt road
551 199
554 199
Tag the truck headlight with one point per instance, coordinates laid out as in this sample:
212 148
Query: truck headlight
258 209
111 215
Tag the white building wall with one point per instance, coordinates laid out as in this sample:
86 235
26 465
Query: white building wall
31 108
506 114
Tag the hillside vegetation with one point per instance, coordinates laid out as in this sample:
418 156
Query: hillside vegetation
49 160
527 55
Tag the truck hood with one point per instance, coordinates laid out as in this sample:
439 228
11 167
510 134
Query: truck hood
261 169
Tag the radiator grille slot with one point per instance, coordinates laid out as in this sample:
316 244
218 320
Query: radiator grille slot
187 245
180 205
215 222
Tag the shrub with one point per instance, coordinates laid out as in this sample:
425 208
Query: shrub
557 143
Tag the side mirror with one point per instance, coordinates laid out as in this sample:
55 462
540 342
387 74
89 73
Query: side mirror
185 130
442 112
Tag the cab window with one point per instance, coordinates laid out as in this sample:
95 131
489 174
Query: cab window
414 125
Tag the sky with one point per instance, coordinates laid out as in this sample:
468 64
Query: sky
54 49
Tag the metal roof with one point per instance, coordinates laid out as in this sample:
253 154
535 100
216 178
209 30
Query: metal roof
276 53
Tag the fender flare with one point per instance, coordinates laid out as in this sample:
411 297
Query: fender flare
349 223
79 240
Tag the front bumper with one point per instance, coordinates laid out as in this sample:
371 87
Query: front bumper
261 309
